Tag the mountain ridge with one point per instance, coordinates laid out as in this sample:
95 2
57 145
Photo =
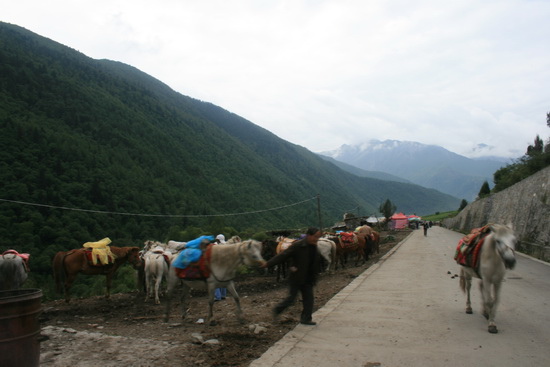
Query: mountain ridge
430 166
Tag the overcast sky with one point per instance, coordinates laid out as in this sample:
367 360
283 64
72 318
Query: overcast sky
325 73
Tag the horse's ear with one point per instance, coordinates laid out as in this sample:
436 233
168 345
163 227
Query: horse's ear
510 225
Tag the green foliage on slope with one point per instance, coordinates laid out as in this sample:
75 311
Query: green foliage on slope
536 158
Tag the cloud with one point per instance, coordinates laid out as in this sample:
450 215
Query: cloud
325 73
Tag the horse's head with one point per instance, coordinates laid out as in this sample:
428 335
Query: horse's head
134 257
252 252
269 248
234 239
505 243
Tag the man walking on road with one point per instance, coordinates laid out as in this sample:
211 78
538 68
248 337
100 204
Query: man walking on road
304 266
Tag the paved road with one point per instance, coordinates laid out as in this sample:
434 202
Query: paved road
408 310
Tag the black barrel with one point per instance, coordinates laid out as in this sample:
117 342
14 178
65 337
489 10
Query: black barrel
20 327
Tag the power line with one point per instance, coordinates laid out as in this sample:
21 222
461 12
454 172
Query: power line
157 215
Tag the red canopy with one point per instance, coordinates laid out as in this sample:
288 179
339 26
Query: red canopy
399 216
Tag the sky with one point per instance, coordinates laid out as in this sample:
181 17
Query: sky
459 74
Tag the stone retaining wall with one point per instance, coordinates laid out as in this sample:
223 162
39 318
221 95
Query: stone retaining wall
525 205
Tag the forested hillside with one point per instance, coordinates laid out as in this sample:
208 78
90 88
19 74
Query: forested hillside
95 148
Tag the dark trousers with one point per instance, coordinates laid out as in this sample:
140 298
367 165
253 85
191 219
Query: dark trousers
307 299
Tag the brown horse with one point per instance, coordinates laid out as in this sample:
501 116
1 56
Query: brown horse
357 247
67 265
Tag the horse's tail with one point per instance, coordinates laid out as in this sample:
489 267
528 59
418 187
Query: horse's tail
59 271
462 280
333 254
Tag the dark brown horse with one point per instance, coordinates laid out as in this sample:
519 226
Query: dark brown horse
67 265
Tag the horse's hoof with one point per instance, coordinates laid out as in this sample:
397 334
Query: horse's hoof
493 329
469 311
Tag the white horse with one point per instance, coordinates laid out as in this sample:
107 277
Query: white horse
223 265
327 249
495 256
156 268
13 271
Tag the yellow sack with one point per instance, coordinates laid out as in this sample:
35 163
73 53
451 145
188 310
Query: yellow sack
99 244
100 250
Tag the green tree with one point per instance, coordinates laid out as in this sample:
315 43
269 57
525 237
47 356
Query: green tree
536 148
485 190
387 209
463 204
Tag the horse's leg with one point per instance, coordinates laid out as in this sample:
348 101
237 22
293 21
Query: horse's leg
147 283
492 325
142 286
211 290
329 263
68 283
342 260
108 281
231 288
466 285
171 280
490 303
158 280
185 299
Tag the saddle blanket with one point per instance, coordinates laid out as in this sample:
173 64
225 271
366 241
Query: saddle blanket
198 270
469 246
25 257
105 256
347 240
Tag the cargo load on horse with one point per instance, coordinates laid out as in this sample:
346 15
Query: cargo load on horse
14 268
99 251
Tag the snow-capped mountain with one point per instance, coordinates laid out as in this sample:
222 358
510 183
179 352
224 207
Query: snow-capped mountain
427 165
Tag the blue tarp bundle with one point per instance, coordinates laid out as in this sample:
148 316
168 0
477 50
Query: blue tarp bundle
191 253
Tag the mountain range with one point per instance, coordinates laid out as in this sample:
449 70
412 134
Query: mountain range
94 148
426 165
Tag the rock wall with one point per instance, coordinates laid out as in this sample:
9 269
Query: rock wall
525 205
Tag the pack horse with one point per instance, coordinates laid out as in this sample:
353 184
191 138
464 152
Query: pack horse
219 265
486 253
68 264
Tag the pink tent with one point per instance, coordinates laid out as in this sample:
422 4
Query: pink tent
399 221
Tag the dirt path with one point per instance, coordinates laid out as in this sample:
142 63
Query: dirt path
126 331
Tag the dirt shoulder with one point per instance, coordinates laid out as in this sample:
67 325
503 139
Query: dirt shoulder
128 331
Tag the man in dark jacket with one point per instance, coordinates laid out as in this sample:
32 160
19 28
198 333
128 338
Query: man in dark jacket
304 267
